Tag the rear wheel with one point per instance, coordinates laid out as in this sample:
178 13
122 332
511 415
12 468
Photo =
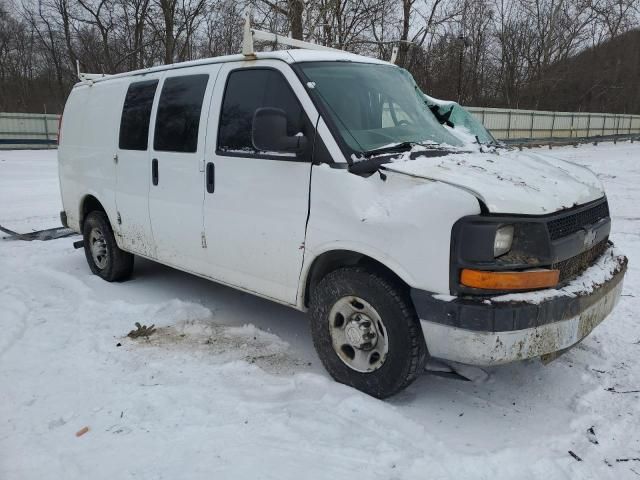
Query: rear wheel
366 331
101 250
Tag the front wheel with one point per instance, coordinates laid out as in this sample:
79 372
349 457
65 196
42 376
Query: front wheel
103 255
366 331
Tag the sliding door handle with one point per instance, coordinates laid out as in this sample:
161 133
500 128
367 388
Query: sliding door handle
211 177
154 171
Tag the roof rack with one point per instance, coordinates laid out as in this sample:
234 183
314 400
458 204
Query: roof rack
251 34
88 78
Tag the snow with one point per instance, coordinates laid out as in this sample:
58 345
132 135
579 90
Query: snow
444 298
230 387
464 134
597 274
530 183
437 101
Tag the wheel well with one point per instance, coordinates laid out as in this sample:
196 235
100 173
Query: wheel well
89 204
335 259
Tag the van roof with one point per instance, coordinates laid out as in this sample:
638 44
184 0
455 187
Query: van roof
288 56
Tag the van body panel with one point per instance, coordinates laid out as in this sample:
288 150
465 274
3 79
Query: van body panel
176 202
132 192
515 182
87 147
255 219
402 222
286 56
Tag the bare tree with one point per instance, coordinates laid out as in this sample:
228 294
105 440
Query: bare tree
518 53
615 16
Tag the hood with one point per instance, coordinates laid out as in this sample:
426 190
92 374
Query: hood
509 181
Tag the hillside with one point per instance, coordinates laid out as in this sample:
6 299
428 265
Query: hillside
605 78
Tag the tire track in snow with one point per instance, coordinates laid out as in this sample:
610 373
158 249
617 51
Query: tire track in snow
13 322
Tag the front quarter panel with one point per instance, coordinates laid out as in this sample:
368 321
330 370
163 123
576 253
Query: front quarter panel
403 222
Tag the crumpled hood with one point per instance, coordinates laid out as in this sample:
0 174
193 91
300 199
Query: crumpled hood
509 181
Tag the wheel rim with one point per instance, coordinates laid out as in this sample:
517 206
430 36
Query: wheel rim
98 247
358 334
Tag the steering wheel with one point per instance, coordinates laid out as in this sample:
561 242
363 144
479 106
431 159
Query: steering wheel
403 122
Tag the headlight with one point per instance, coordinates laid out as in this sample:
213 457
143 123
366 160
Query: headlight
497 243
503 240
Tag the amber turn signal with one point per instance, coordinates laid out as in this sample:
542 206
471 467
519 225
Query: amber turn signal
528 280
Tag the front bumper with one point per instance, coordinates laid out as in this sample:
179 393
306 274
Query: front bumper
484 332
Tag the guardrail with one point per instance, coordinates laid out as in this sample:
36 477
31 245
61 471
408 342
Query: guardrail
507 124
25 130
28 130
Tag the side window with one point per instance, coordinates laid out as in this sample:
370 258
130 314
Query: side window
136 115
246 91
178 117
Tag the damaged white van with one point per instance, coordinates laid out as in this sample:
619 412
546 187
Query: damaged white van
323 181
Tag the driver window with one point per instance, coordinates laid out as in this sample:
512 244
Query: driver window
246 91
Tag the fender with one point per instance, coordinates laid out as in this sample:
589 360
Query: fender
93 197
402 222
355 248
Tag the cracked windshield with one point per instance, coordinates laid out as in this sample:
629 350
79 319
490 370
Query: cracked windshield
375 106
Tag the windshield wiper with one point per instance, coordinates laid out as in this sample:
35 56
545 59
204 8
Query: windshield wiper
490 144
398 147
368 165
375 158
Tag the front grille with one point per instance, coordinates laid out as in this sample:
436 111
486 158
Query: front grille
574 266
561 227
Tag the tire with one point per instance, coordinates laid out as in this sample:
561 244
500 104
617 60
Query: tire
378 369
109 262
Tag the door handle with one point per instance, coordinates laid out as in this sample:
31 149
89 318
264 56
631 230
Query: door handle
211 177
154 171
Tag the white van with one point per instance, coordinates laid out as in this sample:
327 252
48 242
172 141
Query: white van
323 181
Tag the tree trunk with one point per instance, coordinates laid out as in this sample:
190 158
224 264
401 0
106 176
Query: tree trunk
168 8
296 10
403 48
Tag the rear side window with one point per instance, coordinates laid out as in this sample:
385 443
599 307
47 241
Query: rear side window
178 117
246 91
136 114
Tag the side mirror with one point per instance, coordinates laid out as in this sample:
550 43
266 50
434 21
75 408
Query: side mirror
269 132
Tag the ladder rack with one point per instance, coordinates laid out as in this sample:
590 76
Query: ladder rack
251 34
88 78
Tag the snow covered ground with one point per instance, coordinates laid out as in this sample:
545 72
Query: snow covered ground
230 386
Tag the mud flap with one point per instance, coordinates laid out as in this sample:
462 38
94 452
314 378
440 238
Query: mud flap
44 235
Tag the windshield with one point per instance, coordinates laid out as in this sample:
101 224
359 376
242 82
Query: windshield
462 118
458 118
375 106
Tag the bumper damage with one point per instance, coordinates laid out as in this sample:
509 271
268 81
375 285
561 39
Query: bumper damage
503 329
